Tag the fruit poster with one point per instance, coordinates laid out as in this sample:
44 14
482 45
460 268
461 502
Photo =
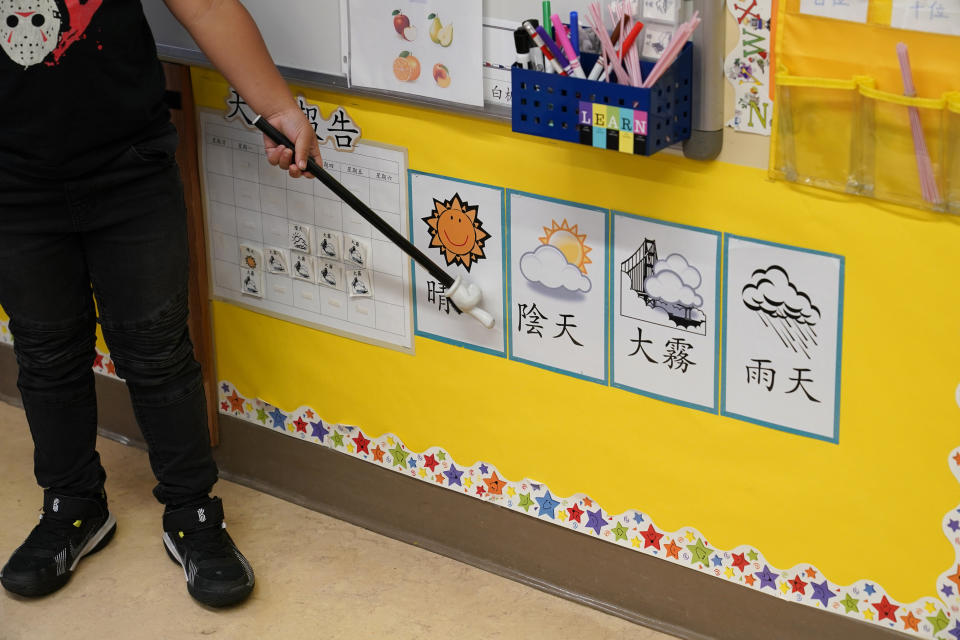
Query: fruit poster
429 48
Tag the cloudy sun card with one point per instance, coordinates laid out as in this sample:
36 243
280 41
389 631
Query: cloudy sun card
558 285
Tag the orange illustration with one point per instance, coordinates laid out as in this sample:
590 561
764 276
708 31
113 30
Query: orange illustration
406 67
457 231
570 242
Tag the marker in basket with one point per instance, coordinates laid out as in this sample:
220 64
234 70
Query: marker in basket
573 63
575 32
522 42
549 61
558 56
547 12
538 62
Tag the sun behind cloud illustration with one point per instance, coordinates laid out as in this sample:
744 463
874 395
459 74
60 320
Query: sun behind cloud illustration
457 231
570 242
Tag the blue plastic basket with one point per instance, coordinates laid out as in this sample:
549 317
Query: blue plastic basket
604 114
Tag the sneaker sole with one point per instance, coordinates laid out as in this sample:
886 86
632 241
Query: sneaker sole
225 599
98 541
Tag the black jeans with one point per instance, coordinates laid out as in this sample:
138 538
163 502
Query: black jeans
120 233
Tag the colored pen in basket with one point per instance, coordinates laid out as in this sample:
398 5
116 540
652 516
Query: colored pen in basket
575 32
573 63
548 59
558 57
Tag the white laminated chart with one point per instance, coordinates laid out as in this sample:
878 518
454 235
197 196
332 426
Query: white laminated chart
291 248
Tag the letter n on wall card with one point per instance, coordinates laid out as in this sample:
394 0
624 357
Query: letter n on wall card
782 337
558 285
459 225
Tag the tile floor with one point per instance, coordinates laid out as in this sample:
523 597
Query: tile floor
317 577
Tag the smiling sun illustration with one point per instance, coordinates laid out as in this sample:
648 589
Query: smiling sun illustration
570 242
457 231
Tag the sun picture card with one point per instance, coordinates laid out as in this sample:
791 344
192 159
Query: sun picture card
783 322
434 50
557 257
458 225
666 310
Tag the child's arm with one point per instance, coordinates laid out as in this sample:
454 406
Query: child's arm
229 37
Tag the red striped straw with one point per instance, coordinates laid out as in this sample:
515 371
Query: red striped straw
928 182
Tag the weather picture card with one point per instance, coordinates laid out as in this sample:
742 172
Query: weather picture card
558 285
932 16
458 225
291 248
782 337
430 48
666 310
850 10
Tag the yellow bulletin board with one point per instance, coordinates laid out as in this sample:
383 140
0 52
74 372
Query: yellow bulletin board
855 527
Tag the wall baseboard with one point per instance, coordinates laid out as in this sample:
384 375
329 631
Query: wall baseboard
633 586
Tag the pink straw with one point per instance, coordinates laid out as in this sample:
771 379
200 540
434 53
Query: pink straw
677 41
595 16
928 182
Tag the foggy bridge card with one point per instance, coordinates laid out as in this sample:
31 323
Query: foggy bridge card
666 309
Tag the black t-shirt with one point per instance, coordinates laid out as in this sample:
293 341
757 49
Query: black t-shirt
79 83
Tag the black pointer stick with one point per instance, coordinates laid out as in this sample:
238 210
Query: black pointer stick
466 297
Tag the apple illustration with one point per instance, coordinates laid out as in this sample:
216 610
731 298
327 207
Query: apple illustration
400 22
441 75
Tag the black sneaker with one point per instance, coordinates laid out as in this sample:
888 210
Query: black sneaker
196 538
69 529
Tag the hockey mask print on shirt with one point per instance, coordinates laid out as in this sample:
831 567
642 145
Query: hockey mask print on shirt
29 29
32 30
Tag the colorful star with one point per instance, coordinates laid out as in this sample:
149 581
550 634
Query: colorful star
947 590
309 414
700 553
494 484
412 462
111 369
850 604
954 525
752 555
955 577
587 502
337 439
399 456
422 473
822 592
955 632
278 418
956 458
798 585
638 518
453 475
438 478
510 491
595 520
225 387
261 416
236 402
739 562
939 621
430 462
750 580
224 406
525 502
319 431
673 551
378 454
728 572
483 469
651 538
620 532
768 578
575 512
480 491
868 614
635 542
300 425
467 482
362 443
717 561
930 607
98 363
547 505
811 573
869 589
910 622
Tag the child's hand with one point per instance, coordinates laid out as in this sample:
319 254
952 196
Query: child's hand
294 125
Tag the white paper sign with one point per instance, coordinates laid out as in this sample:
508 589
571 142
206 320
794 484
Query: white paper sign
851 10
558 291
782 336
459 225
666 310
932 16
408 46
